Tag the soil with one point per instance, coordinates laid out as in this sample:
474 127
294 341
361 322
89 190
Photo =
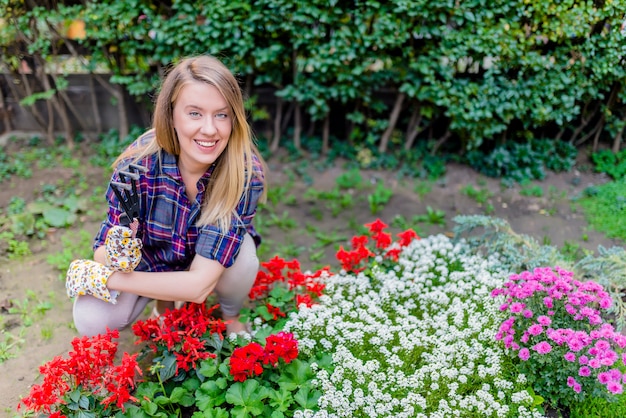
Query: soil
552 218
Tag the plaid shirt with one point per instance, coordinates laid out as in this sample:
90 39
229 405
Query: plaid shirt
167 218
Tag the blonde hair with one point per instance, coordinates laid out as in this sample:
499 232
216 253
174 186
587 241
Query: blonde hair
234 168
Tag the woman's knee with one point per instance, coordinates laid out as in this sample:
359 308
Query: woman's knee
93 316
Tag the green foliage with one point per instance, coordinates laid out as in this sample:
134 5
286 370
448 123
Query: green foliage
110 145
481 195
599 408
521 252
478 73
613 164
379 197
522 162
74 246
604 207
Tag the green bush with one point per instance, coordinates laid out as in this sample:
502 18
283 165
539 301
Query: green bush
384 75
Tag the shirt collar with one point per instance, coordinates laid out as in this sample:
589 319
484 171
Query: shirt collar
169 166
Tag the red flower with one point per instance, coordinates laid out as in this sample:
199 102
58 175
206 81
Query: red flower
394 253
406 237
376 227
281 345
90 366
383 239
306 299
274 311
246 361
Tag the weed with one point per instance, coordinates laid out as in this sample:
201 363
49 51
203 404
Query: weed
432 217
47 332
379 198
9 344
325 239
531 191
290 250
75 246
480 196
25 309
284 221
422 188
400 222
350 179
573 251
279 194
15 249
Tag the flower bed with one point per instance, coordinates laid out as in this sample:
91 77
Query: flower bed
407 328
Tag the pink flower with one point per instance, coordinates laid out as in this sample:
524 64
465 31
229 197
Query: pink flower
571 381
583 360
584 371
544 320
548 302
517 307
524 354
595 363
577 388
542 347
604 377
535 329
614 387
569 356
527 313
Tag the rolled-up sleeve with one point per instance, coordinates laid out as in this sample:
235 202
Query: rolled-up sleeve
223 246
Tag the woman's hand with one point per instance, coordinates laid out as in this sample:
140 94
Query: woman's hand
123 251
88 277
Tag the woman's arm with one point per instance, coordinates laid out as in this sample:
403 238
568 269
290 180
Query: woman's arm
193 285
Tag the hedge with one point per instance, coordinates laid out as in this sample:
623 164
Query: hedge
387 74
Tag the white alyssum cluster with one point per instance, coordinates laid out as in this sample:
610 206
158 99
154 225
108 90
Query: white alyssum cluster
412 340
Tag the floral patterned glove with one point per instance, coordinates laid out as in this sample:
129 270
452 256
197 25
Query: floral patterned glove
123 251
88 277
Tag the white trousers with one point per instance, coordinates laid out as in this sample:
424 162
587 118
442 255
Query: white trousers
92 316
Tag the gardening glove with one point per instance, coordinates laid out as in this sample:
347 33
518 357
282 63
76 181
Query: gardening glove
88 277
123 250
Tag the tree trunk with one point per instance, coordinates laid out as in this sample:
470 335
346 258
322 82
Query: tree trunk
617 142
94 105
297 128
393 119
584 122
413 128
326 135
277 124
5 110
440 142
39 118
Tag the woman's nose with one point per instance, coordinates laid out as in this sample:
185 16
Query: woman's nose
208 126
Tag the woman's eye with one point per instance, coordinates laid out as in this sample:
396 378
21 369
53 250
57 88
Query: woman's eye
221 115
194 114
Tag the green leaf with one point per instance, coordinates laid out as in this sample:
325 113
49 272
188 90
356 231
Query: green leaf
169 366
57 217
83 402
307 398
182 396
209 395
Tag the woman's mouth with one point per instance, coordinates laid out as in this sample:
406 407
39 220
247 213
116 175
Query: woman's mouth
206 144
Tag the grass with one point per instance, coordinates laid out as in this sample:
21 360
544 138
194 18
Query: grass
604 207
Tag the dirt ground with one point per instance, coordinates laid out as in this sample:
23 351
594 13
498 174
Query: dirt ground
552 218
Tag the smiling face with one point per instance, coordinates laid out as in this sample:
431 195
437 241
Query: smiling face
203 121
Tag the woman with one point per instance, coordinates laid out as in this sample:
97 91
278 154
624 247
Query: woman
197 199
